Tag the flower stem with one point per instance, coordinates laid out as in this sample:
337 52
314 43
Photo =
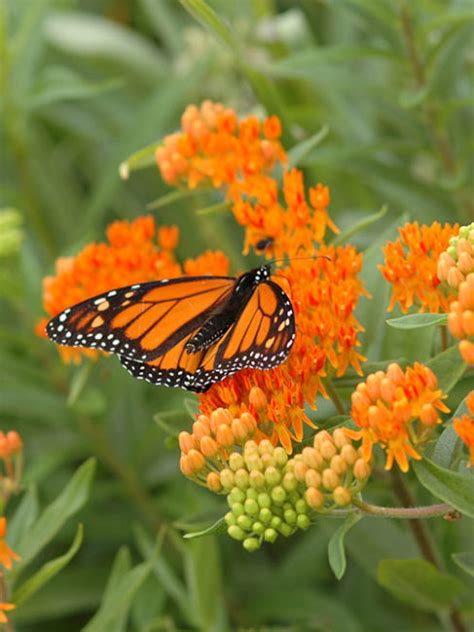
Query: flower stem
331 389
4 597
424 541
403 513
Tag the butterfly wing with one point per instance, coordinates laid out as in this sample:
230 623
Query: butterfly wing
260 338
143 321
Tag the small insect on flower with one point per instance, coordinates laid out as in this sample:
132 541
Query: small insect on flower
189 332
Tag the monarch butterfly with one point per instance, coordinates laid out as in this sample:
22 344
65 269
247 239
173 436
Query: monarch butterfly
189 332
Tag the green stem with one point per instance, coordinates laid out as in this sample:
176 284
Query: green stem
425 543
331 389
403 513
4 598
130 480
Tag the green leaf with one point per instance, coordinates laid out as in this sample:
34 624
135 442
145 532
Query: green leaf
465 561
60 84
419 583
336 550
167 578
416 321
89 36
218 527
455 489
23 518
118 600
360 226
171 198
449 367
141 159
204 581
48 571
302 149
69 501
211 21
446 447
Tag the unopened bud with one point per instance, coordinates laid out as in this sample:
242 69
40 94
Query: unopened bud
236 461
361 470
314 498
330 479
236 532
214 482
257 398
342 496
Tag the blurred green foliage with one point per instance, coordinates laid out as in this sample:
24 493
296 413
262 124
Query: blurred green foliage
85 83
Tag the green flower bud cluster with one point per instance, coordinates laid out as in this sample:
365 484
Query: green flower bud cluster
270 495
265 498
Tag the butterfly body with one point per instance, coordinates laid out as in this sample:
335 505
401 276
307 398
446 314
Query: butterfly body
190 332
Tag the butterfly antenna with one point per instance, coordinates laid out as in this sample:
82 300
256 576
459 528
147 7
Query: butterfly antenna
289 259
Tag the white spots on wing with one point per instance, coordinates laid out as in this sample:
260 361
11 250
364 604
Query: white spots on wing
63 317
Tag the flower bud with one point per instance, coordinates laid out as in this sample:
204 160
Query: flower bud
236 532
209 447
340 438
428 415
361 470
312 458
230 519
330 479
289 482
244 522
275 522
257 398
214 482
303 522
242 479
278 495
251 507
301 506
258 527
290 516
249 421
270 535
466 349
299 469
349 454
251 544
185 465
239 430
196 460
186 442
338 464
224 436
314 498
342 496
256 479
200 430
265 447
285 529
237 509
252 493
312 478
236 495
280 456
219 417
236 461
265 515
227 479
272 476
264 500
327 450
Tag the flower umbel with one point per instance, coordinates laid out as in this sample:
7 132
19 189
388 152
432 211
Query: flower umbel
398 410
268 493
411 267
456 269
464 427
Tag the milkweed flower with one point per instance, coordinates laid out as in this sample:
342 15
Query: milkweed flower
11 447
7 555
411 267
464 427
456 269
398 410
270 494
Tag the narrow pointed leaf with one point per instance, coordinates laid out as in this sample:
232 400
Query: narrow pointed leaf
48 571
415 321
465 561
360 226
336 549
218 527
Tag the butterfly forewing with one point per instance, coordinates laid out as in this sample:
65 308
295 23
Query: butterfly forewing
141 321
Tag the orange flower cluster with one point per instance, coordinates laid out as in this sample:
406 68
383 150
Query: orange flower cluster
410 266
324 295
464 426
398 410
456 269
215 148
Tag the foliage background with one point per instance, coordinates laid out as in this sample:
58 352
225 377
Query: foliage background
85 83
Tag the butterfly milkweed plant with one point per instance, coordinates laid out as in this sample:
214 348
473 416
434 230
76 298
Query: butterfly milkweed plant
315 469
